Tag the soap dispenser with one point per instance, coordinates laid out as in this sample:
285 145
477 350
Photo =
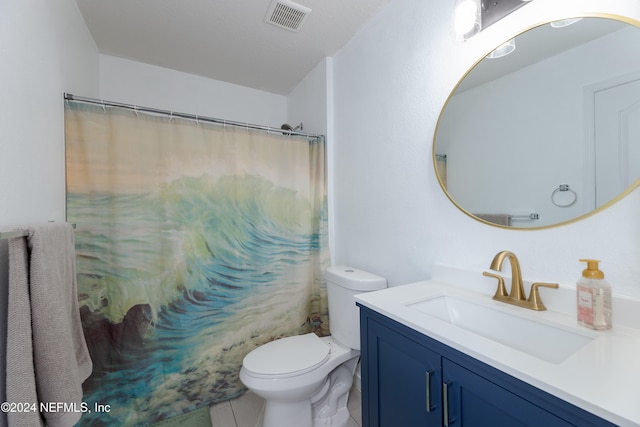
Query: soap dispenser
594 298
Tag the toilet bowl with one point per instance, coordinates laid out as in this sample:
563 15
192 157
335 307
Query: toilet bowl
304 379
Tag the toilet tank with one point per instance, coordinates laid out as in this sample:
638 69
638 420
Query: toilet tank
344 316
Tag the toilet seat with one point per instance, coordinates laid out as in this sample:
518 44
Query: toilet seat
287 357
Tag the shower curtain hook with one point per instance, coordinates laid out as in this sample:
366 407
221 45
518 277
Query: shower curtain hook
170 115
135 110
197 122
103 106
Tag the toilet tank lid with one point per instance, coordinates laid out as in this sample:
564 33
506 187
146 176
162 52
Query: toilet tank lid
353 278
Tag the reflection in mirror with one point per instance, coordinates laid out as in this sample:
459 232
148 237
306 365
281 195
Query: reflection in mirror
548 133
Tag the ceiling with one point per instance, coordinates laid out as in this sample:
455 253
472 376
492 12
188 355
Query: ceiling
225 40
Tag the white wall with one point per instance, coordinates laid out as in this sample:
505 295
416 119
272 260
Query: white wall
311 102
132 82
308 101
391 216
45 50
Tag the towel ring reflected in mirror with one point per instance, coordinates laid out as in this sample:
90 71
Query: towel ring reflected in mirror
559 193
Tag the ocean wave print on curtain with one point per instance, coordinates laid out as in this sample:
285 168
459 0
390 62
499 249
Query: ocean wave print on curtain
195 243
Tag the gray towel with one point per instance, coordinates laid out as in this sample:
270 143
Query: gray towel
47 356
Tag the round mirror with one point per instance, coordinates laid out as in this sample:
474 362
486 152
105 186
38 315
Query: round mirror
549 132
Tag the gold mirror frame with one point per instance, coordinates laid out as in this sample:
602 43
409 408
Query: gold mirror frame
435 156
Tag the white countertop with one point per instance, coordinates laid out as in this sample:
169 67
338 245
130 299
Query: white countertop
602 377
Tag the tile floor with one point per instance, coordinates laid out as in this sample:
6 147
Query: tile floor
244 411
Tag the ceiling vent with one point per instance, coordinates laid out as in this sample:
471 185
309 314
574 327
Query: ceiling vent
286 14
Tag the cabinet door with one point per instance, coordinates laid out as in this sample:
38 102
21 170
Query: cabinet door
403 386
472 400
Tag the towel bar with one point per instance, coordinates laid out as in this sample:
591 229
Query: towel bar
17 233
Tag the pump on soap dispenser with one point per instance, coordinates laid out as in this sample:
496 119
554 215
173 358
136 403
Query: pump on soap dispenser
594 298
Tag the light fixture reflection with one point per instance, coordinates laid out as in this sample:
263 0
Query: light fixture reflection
467 17
503 50
564 22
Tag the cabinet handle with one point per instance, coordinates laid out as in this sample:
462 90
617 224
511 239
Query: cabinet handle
445 403
428 402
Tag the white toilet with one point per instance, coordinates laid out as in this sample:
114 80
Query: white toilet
305 380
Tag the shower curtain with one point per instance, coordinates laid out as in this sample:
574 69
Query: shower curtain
195 244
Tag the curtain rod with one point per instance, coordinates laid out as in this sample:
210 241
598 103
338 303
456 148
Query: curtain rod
103 103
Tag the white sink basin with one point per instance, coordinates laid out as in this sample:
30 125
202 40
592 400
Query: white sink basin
548 342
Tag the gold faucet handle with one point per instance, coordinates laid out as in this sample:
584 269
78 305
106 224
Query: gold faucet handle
534 300
501 292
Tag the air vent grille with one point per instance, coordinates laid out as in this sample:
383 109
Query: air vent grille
287 14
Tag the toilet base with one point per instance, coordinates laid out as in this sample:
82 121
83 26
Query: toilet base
299 415
340 419
331 408
295 414
327 408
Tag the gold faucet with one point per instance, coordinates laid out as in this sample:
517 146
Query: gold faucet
517 295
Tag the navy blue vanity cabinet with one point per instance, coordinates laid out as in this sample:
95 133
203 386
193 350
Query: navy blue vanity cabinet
409 379
403 379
